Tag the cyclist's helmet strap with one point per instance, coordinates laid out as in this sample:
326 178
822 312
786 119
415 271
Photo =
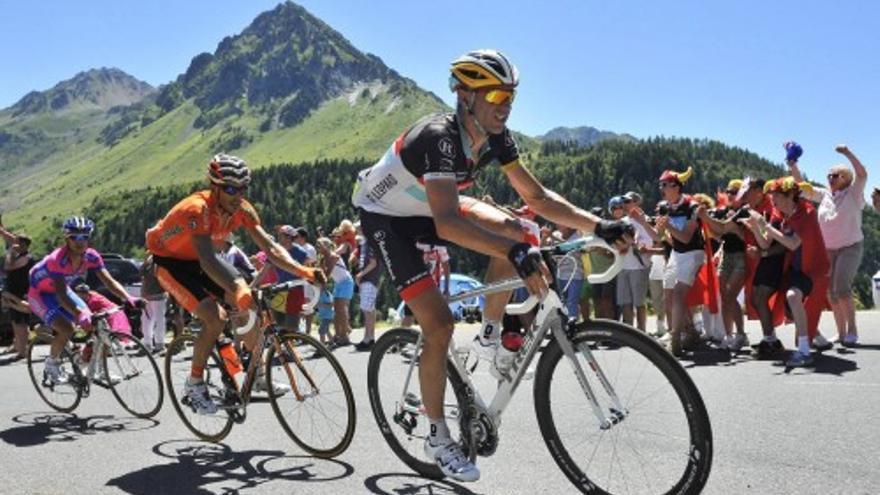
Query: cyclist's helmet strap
228 170
78 225
482 68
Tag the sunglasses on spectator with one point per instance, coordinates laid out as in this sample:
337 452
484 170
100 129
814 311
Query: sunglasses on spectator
79 237
666 184
627 200
833 176
500 96
234 191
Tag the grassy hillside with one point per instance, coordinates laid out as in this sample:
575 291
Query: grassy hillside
171 150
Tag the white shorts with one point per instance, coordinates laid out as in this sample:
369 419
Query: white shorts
368 292
683 267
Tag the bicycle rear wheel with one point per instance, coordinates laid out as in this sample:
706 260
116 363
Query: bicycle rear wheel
132 375
64 397
398 407
661 440
178 361
318 412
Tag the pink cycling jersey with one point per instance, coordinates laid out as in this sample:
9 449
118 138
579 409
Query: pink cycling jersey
57 264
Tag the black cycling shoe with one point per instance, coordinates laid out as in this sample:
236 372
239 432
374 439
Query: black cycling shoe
769 350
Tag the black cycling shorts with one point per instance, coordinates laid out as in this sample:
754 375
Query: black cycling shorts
185 280
395 238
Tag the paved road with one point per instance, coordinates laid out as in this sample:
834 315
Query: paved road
807 431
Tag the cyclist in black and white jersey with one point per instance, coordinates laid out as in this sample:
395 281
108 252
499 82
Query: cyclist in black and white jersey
412 195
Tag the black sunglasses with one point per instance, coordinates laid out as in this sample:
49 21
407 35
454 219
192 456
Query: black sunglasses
833 176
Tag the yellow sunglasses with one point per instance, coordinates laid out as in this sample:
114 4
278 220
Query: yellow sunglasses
500 96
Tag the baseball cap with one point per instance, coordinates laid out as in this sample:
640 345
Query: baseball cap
633 196
287 230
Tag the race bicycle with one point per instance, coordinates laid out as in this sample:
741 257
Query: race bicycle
316 408
622 416
108 359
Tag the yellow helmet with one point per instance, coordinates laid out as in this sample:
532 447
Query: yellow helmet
482 68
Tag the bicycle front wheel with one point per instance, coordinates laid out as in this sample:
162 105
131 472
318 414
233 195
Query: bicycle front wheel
316 406
178 361
132 375
63 397
646 431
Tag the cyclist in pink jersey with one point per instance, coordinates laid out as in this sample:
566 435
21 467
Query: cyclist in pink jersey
51 297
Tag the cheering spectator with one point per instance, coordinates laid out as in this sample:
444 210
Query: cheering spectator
840 218
632 281
570 273
688 256
153 325
325 314
603 295
288 306
367 278
17 263
807 272
343 289
732 265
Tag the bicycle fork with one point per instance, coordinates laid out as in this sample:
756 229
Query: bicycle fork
616 412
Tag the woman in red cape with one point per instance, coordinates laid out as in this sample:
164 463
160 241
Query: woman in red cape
806 265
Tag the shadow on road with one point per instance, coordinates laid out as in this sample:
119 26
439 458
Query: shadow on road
40 428
824 363
411 484
206 468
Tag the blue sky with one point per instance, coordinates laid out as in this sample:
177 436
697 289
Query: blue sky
751 74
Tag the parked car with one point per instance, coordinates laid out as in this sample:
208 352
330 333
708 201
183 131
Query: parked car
469 310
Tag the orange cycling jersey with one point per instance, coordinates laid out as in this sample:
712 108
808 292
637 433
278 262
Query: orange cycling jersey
197 214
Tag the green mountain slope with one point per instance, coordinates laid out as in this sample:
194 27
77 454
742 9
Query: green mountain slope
287 89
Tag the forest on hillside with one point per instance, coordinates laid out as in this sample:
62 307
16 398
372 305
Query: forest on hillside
317 194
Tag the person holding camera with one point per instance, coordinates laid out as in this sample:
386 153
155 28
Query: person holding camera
679 220
806 269
840 219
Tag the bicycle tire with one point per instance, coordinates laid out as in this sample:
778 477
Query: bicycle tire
136 361
400 337
69 396
177 366
623 341
318 381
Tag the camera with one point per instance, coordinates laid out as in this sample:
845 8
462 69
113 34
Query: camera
719 213
743 213
662 208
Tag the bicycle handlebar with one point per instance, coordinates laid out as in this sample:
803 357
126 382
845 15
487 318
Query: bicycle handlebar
564 249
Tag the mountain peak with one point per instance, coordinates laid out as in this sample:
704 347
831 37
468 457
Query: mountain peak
94 89
583 135
286 63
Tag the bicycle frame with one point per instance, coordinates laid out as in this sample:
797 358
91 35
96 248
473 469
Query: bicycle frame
551 317
268 336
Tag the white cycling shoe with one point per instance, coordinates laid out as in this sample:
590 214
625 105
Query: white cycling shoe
452 461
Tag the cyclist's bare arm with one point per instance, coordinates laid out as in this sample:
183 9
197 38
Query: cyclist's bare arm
547 203
61 291
221 272
443 199
113 284
279 256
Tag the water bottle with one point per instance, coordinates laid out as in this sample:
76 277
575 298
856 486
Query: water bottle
230 358
511 341
85 355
